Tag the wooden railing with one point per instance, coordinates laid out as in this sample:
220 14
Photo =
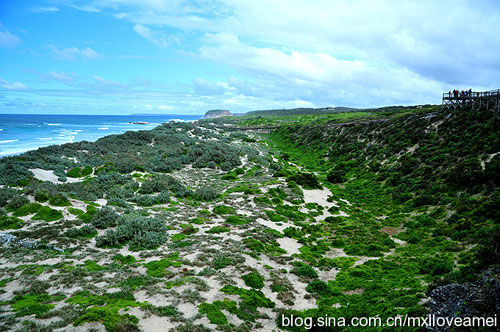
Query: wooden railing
476 100
471 95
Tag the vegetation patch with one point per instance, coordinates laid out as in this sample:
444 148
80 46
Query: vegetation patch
8 222
59 200
78 172
37 304
105 309
157 268
46 213
237 220
254 280
218 229
140 232
27 209
85 231
224 209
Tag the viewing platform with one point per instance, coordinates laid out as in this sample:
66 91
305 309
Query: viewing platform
489 99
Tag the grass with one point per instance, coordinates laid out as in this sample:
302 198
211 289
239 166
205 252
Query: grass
46 213
106 309
218 230
157 268
27 209
8 222
33 304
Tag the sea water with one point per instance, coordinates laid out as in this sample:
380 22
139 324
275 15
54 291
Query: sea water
23 132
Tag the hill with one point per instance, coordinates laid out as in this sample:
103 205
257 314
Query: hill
354 214
217 114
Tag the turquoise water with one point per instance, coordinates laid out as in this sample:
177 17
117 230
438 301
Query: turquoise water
23 132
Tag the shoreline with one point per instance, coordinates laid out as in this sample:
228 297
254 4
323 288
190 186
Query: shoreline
138 125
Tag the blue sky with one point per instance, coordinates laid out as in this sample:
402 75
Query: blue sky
186 57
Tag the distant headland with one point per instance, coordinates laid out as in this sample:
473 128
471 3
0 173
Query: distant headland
217 114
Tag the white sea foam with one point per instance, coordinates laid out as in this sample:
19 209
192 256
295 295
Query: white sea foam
53 124
103 128
8 141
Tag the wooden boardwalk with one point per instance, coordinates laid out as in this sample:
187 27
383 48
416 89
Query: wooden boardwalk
488 99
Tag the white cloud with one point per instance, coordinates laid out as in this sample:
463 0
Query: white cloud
156 37
62 77
331 52
49 9
12 85
205 87
73 53
108 83
8 39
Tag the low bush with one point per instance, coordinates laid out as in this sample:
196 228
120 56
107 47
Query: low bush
85 231
306 180
16 202
47 214
140 232
237 220
218 229
78 172
27 209
205 194
254 280
304 270
7 222
41 195
224 209
105 218
59 200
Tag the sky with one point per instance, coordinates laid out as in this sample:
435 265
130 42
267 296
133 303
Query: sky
187 57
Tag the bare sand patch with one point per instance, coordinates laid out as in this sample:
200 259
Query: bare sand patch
48 175
290 245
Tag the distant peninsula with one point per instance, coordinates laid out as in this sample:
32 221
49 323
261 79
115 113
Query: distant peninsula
217 114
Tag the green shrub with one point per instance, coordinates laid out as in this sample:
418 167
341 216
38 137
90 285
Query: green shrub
205 194
304 270
47 214
105 218
27 209
237 220
42 195
129 259
16 202
306 180
85 231
254 280
224 209
140 232
262 200
59 200
29 304
336 175
111 319
78 172
218 229
321 288
157 269
7 222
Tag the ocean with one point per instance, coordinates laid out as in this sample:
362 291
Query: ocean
23 132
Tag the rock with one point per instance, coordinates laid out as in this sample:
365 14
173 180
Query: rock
471 299
217 114
9 239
